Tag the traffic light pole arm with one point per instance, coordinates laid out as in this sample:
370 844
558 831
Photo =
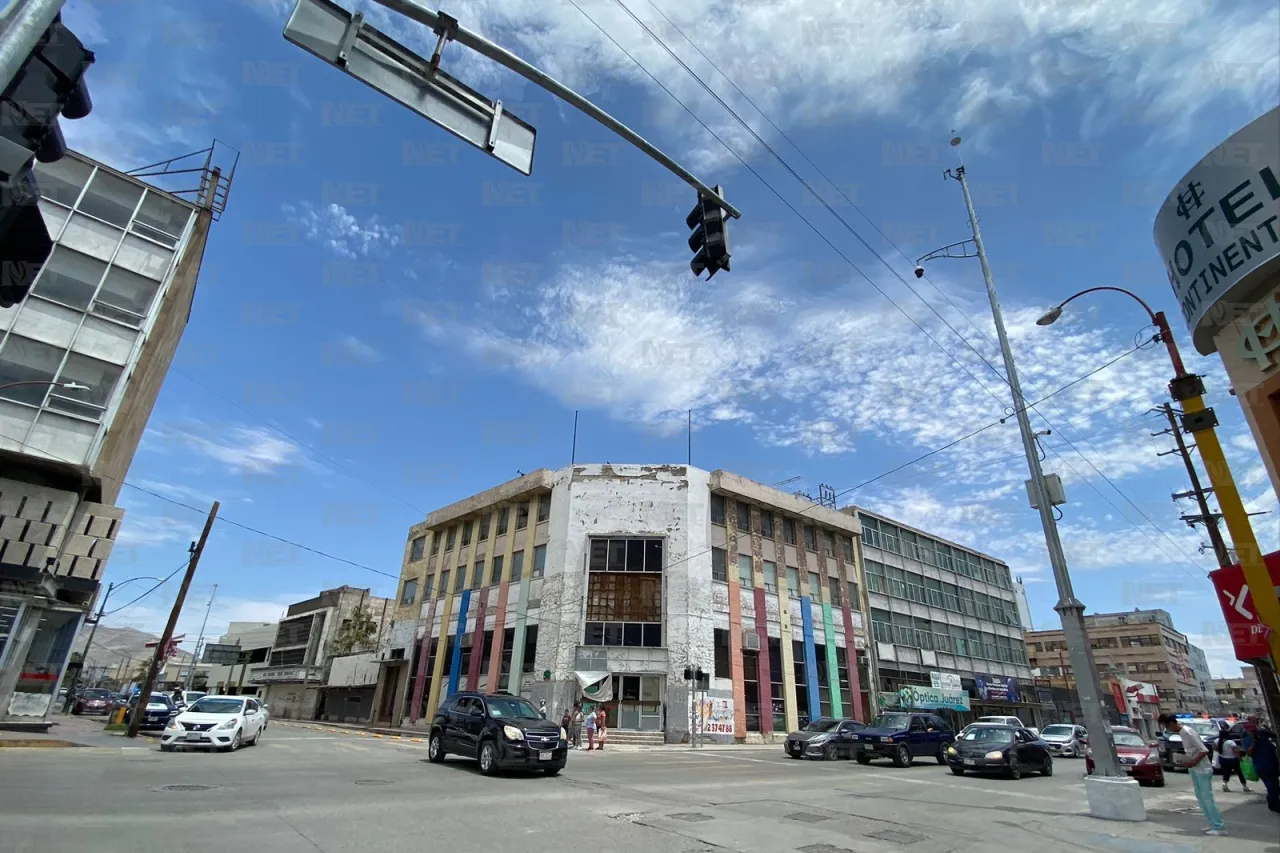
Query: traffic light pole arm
509 60
23 25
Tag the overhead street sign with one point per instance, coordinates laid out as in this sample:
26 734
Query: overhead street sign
223 654
345 41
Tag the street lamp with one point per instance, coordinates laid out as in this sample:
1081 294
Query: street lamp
71 688
1113 803
1188 389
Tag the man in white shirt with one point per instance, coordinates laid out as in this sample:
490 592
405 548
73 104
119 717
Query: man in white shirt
1200 767
1229 760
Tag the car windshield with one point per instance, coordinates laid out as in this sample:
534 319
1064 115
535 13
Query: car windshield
97 693
988 734
821 725
216 706
1202 728
892 721
1058 731
1128 739
511 707
159 699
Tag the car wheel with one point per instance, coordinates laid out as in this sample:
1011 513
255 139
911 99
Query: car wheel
1159 783
959 771
488 758
902 757
830 753
166 747
1047 769
553 771
862 759
1015 770
256 737
435 749
236 743
942 754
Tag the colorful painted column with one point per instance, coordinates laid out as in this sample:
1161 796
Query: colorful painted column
500 618
522 609
847 568
788 657
810 658
437 671
735 659
763 674
833 662
477 639
424 652
455 665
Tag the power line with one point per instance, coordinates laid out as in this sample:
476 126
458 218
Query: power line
148 592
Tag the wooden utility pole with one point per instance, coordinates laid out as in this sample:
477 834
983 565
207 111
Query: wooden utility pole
135 719
1206 517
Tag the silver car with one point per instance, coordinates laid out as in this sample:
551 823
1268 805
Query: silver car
1066 740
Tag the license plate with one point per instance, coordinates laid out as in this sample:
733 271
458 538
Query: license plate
544 756
971 761
194 736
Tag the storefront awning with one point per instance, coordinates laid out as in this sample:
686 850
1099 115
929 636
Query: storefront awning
595 686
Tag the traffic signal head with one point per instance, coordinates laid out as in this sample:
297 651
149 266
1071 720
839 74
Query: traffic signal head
709 241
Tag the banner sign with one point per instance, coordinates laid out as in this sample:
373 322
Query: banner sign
997 688
945 681
1249 637
932 699
711 715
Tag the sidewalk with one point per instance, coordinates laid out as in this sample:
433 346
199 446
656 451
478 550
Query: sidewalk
66 732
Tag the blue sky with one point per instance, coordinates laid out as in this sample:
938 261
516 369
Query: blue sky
388 321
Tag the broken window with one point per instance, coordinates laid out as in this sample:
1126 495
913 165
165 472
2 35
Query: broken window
417 549
624 593
717 509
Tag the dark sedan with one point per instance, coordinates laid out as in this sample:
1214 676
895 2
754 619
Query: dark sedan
825 738
156 713
999 749
92 701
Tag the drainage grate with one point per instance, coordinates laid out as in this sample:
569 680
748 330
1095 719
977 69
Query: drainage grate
807 818
373 782
691 817
824 848
897 836
183 789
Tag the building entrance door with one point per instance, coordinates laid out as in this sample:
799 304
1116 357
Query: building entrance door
638 699
388 704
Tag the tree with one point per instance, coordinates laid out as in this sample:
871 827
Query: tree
356 634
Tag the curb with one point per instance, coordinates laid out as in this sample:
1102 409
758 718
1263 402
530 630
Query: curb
37 743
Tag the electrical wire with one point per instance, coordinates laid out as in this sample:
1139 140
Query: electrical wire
168 578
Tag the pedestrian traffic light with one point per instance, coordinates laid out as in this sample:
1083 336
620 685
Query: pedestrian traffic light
48 85
710 239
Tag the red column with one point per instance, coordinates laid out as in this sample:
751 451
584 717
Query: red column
763 673
477 641
420 681
499 634
735 659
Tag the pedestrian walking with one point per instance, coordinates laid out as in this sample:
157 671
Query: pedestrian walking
1200 768
591 729
565 719
602 726
1229 763
575 725
1260 745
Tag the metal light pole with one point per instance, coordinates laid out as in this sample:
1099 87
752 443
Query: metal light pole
21 26
1069 608
75 677
195 659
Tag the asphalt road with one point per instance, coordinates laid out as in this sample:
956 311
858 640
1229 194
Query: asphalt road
304 790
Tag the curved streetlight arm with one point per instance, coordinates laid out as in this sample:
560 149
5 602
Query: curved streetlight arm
1129 293
1157 318
74 386
945 252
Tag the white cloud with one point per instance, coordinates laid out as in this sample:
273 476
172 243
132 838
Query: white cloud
243 449
341 232
139 530
358 349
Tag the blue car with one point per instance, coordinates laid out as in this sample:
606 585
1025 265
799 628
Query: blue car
904 736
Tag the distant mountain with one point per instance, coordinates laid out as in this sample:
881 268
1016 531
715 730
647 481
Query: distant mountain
113 647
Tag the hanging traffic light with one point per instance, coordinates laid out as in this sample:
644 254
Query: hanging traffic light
48 85
710 239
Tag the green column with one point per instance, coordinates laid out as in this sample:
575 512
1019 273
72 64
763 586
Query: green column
833 665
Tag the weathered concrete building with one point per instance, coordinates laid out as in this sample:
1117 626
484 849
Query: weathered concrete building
82 360
604 582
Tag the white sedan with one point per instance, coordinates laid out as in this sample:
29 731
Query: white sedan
216 722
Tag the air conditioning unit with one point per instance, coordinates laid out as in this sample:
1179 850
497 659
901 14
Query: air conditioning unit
466 640
750 641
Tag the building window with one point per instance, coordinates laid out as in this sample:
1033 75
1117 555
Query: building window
815 586
828 544
504 515
717 509
459 579
766 524
880 626
810 538
111 199
522 516
517 565
444 583
530 648
744 517
720 641
793 582
435 542
625 555
745 571
833 586
483 533
63 180
718 572
409 592
426 589
847 544
801 678
875 576
27 361
449 539
101 378
544 508
466 533
477 575
624 593
417 549
539 560
495 573
70 277
126 296
788 531
770 577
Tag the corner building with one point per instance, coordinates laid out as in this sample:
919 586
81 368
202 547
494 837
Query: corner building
620 576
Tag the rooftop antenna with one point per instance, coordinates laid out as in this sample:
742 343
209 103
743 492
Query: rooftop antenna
573 452
690 430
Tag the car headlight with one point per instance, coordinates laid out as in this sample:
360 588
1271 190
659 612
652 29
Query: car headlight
819 740
1153 757
951 750
995 755
513 733
229 724
886 740
173 725
563 734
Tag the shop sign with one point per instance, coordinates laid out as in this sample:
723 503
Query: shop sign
932 699
995 688
945 681
712 716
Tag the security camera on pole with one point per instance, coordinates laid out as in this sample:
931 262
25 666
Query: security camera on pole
1112 795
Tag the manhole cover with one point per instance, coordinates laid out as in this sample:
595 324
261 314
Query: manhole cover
372 782
824 848
691 817
896 836
182 789
804 817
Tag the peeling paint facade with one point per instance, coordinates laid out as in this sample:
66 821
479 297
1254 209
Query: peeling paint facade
637 571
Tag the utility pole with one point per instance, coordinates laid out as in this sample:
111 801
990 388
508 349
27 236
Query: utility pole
1209 518
162 648
195 659
75 678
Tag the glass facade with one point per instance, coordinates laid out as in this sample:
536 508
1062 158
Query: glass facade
116 242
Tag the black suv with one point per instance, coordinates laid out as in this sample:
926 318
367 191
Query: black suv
501 731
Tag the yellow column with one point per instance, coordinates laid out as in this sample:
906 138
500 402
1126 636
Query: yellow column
784 623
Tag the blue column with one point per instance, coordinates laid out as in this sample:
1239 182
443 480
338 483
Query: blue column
810 659
455 665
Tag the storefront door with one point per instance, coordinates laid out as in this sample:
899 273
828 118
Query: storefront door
638 702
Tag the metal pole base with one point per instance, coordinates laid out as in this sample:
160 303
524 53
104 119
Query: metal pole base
1114 798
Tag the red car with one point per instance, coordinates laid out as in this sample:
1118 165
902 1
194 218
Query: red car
92 701
1139 759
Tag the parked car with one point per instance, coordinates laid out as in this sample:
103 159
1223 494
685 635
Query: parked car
826 738
1010 721
185 698
95 700
156 712
1066 740
224 723
1141 760
500 731
904 736
1008 750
